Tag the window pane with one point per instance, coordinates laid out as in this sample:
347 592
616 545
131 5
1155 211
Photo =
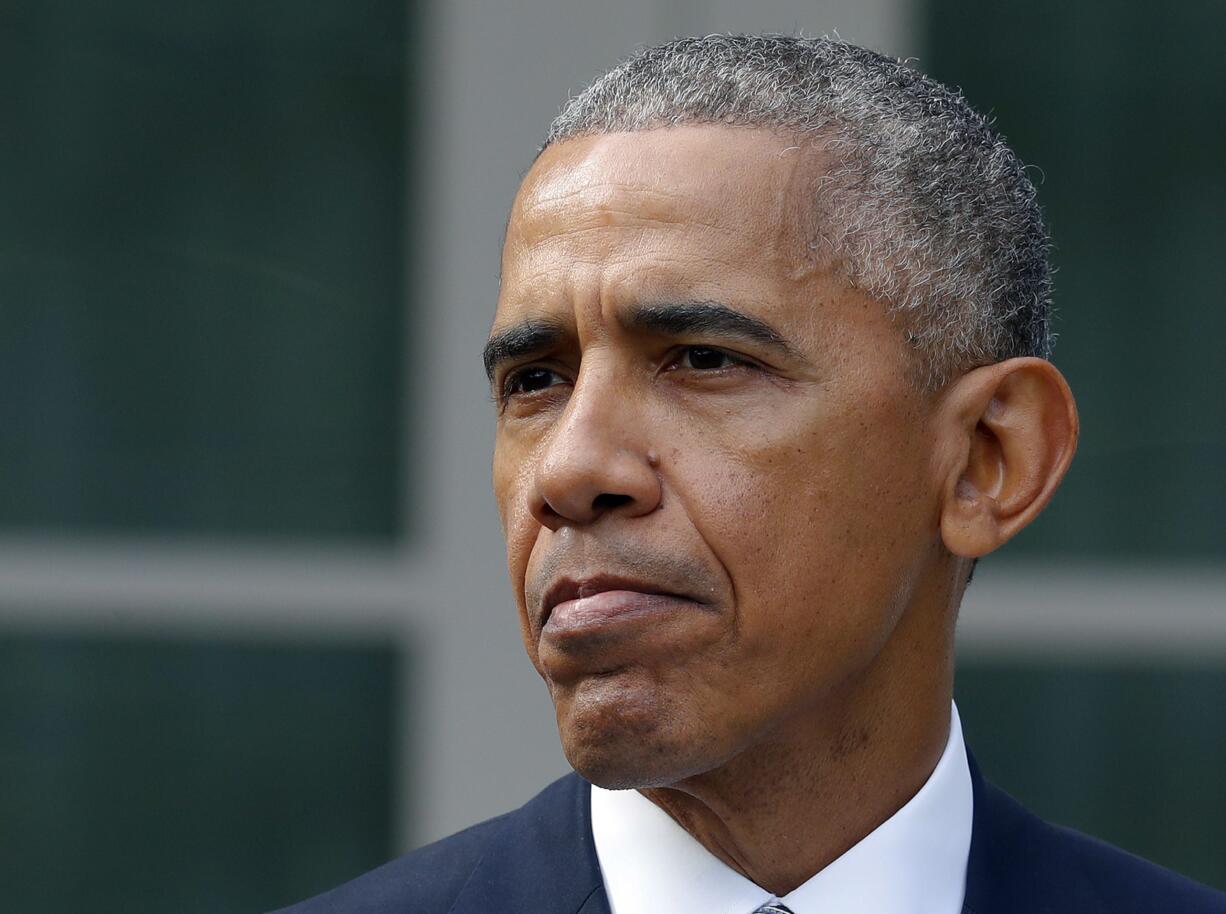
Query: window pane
189 775
200 266
1119 106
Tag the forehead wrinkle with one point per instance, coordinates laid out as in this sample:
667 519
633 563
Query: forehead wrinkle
607 189
623 180
568 212
576 211
645 244
639 236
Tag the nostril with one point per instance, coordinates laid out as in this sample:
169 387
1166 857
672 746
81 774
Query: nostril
607 502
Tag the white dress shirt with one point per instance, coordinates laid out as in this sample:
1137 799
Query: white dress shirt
912 863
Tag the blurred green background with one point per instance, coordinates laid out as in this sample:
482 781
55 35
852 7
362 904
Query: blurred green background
188 775
202 266
211 301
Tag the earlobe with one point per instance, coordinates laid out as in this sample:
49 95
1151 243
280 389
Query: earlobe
1013 429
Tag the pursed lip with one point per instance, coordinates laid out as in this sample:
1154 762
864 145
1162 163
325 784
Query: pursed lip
566 588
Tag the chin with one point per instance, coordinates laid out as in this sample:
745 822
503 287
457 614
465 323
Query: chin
623 766
620 741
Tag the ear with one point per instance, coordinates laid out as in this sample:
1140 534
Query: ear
1008 432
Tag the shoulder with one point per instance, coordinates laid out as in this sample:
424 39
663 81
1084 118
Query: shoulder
427 879
430 879
1128 883
1041 867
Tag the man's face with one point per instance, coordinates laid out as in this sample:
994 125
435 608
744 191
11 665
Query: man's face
712 465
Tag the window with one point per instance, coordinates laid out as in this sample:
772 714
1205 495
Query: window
201 273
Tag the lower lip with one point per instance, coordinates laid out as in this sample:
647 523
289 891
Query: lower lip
601 610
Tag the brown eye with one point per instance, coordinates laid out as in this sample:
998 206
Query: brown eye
704 358
529 380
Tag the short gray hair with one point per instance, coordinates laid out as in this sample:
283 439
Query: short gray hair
925 207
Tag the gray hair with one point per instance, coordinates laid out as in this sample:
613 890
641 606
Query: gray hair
924 208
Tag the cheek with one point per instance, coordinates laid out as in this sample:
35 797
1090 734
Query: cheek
511 480
817 524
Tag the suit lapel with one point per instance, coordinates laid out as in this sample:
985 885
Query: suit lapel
1002 873
541 860
982 863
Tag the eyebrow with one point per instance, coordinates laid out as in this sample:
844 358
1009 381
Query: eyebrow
534 336
520 341
708 317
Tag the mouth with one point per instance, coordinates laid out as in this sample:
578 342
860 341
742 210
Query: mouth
572 607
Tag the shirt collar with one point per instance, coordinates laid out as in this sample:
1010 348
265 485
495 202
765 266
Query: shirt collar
913 863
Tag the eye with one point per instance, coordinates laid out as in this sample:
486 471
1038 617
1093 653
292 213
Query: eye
529 380
706 358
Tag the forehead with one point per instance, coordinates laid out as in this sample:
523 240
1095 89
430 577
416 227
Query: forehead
734 190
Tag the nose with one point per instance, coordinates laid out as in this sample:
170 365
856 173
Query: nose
595 460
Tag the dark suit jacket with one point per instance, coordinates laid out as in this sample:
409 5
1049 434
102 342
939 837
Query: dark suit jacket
541 859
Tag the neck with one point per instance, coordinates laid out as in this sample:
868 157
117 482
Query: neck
785 808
